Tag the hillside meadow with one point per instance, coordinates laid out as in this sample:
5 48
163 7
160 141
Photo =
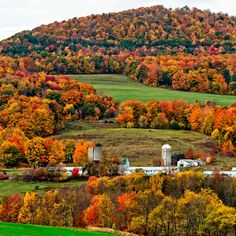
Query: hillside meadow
142 146
121 88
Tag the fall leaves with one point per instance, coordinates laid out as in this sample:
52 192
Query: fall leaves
34 106
190 50
101 211
80 156
219 122
38 151
12 146
150 30
181 204
204 73
38 104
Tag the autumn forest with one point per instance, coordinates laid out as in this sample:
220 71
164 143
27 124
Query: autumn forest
183 49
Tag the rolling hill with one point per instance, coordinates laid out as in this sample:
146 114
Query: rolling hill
183 49
156 28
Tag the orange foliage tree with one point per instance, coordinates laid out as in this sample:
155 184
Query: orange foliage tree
80 156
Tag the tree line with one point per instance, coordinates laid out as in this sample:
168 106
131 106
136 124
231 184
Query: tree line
197 73
216 121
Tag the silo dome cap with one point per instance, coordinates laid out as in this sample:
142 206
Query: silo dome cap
166 146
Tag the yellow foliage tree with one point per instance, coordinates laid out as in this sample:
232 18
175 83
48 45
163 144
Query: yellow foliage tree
28 210
101 212
56 153
36 152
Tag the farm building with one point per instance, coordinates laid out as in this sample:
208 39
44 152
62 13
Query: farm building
231 173
95 155
189 163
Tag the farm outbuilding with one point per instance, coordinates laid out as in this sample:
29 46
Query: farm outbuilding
95 153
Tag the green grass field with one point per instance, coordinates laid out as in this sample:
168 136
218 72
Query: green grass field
7 229
121 88
9 188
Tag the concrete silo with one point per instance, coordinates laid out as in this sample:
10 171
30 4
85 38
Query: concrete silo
166 155
95 153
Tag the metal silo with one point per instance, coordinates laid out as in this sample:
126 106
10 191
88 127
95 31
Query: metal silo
166 155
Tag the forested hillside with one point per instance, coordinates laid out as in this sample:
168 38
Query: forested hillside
156 28
190 50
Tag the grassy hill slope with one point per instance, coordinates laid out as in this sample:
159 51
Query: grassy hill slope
7 229
142 146
121 88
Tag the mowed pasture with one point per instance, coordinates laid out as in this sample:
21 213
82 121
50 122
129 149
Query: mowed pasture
8 229
121 88
142 146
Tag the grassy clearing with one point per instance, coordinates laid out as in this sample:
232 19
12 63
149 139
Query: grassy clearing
7 229
9 188
121 88
142 146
